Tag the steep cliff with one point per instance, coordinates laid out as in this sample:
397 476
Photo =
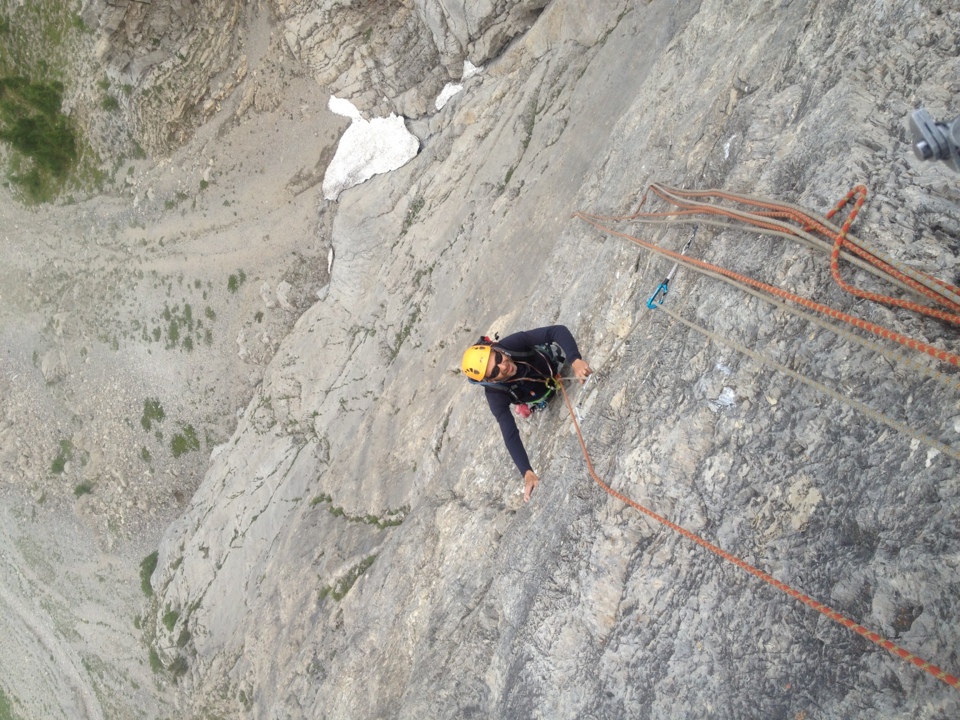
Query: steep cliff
359 548
301 596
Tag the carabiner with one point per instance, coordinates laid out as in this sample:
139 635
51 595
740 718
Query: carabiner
659 295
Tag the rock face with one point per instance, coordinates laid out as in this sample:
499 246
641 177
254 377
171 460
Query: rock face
302 595
178 59
396 56
359 547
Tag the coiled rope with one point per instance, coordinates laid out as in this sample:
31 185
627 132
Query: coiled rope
766 220
856 627
769 219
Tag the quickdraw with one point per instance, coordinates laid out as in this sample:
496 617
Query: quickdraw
660 294
769 219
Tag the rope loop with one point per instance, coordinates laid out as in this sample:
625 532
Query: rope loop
820 233
771 218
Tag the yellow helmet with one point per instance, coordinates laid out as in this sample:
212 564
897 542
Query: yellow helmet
475 361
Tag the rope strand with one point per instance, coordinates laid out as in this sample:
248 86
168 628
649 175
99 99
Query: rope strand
825 610
770 218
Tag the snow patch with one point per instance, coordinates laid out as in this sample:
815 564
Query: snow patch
367 148
451 89
339 106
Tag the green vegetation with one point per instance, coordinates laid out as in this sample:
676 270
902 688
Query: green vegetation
423 272
38 45
529 119
342 586
62 458
392 518
155 663
170 620
178 198
235 281
184 442
182 330
43 138
83 488
6 707
147 566
152 412
404 332
178 667
416 205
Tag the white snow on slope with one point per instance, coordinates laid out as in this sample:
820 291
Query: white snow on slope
451 89
367 148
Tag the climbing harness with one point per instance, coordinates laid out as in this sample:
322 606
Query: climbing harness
870 635
771 218
551 354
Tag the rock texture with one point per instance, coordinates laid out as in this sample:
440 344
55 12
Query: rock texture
358 547
575 606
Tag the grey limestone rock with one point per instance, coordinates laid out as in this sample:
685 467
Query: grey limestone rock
358 546
575 606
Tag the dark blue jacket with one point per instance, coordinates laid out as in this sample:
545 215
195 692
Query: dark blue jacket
528 384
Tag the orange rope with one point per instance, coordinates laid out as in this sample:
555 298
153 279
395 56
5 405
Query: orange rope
808 221
870 635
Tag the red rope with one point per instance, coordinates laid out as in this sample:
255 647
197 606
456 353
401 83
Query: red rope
870 635
812 223
878 330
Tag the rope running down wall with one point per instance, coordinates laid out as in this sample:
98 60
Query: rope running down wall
769 220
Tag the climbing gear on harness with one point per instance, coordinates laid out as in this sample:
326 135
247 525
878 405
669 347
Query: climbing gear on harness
524 408
870 635
474 364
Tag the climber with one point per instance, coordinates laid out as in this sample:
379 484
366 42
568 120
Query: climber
519 371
